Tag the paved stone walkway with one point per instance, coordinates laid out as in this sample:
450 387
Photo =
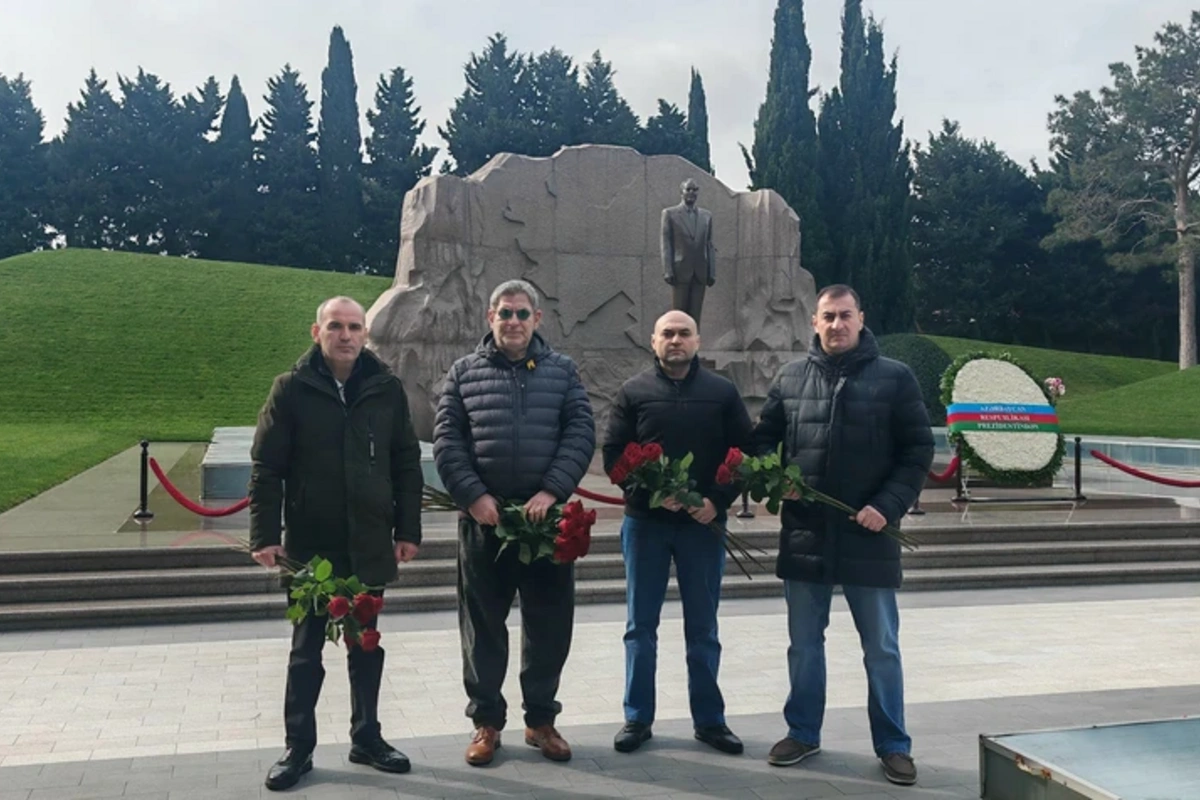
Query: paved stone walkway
195 711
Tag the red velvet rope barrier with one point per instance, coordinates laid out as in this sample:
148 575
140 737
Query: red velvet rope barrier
195 508
942 477
1146 476
599 498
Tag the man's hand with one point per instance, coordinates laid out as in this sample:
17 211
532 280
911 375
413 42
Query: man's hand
671 504
669 278
705 514
870 519
267 555
405 552
539 504
485 511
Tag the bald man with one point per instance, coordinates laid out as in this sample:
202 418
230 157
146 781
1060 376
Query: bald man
686 409
336 464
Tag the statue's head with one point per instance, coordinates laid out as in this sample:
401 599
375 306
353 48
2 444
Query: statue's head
690 191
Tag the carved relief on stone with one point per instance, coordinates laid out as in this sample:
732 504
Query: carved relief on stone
583 226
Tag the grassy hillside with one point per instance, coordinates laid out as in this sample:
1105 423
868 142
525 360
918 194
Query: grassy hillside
99 349
1162 406
1083 373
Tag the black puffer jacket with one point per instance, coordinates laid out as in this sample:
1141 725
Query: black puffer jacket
513 429
702 414
856 426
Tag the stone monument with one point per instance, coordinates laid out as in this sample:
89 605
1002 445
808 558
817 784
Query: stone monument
584 227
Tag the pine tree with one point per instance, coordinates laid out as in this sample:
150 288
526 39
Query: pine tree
235 195
666 133
288 231
23 170
607 118
339 154
85 161
866 177
785 137
493 114
557 113
697 123
396 163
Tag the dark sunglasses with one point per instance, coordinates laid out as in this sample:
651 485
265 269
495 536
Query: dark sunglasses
522 314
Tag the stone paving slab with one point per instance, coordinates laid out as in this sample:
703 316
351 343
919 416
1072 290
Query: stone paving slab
672 765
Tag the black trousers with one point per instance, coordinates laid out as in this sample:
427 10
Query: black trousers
486 589
306 674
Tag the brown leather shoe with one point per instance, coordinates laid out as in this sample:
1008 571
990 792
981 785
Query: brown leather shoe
549 741
484 743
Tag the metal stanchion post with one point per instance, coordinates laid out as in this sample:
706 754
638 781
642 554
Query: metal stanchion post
745 513
1079 468
144 514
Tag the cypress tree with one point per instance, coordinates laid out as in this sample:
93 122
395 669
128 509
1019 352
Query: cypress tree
339 155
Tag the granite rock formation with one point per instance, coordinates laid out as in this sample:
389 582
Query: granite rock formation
583 226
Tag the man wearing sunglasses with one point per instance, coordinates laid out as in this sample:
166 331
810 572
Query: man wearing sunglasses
513 425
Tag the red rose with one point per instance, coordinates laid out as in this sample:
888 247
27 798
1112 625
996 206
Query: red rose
364 608
724 476
339 607
378 604
633 455
370 640
569 547
652 451
619 474
734 458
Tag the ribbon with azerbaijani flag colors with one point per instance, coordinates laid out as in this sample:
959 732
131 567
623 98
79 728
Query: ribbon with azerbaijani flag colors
1002 417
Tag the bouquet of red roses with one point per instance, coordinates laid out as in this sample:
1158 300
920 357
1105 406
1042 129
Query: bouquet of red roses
769 478
347 602
564 535
645 466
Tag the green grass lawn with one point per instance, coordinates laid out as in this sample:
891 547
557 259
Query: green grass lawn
1162 406
100 349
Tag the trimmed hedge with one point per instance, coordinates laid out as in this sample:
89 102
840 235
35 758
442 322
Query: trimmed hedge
927 361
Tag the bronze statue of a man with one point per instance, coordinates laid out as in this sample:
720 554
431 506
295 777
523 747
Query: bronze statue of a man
689 259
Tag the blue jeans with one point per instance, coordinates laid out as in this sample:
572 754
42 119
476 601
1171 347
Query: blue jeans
878 623
699 553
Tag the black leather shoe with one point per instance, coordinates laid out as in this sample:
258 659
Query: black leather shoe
631 737
720 737
380 755
286 772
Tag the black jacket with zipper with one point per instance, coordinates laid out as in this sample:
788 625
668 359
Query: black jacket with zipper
512 429
347 475
857 427
702 414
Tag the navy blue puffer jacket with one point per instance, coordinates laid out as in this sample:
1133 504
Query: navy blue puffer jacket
513 429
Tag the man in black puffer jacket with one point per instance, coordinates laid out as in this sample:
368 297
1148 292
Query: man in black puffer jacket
685 409
514 425
855 424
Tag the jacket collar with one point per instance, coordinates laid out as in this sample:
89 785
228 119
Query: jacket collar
846 363
537 350
693 368
368 369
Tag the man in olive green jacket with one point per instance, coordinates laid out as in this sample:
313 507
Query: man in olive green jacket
336 458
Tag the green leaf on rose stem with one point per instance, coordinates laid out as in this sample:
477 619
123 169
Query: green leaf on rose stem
298 592
354 585
656 500
503 547
692 500
686 461
331 630
526 556
773 506
545 549
294 613
323 571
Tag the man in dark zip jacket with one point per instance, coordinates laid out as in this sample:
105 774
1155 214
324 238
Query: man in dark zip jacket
685 409
335 450
513 425
855 424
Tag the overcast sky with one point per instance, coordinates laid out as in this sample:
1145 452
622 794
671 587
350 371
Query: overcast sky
994 66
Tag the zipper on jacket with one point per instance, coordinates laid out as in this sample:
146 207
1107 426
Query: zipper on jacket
371 443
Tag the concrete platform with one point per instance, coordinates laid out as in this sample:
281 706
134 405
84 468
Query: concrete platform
1125 761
